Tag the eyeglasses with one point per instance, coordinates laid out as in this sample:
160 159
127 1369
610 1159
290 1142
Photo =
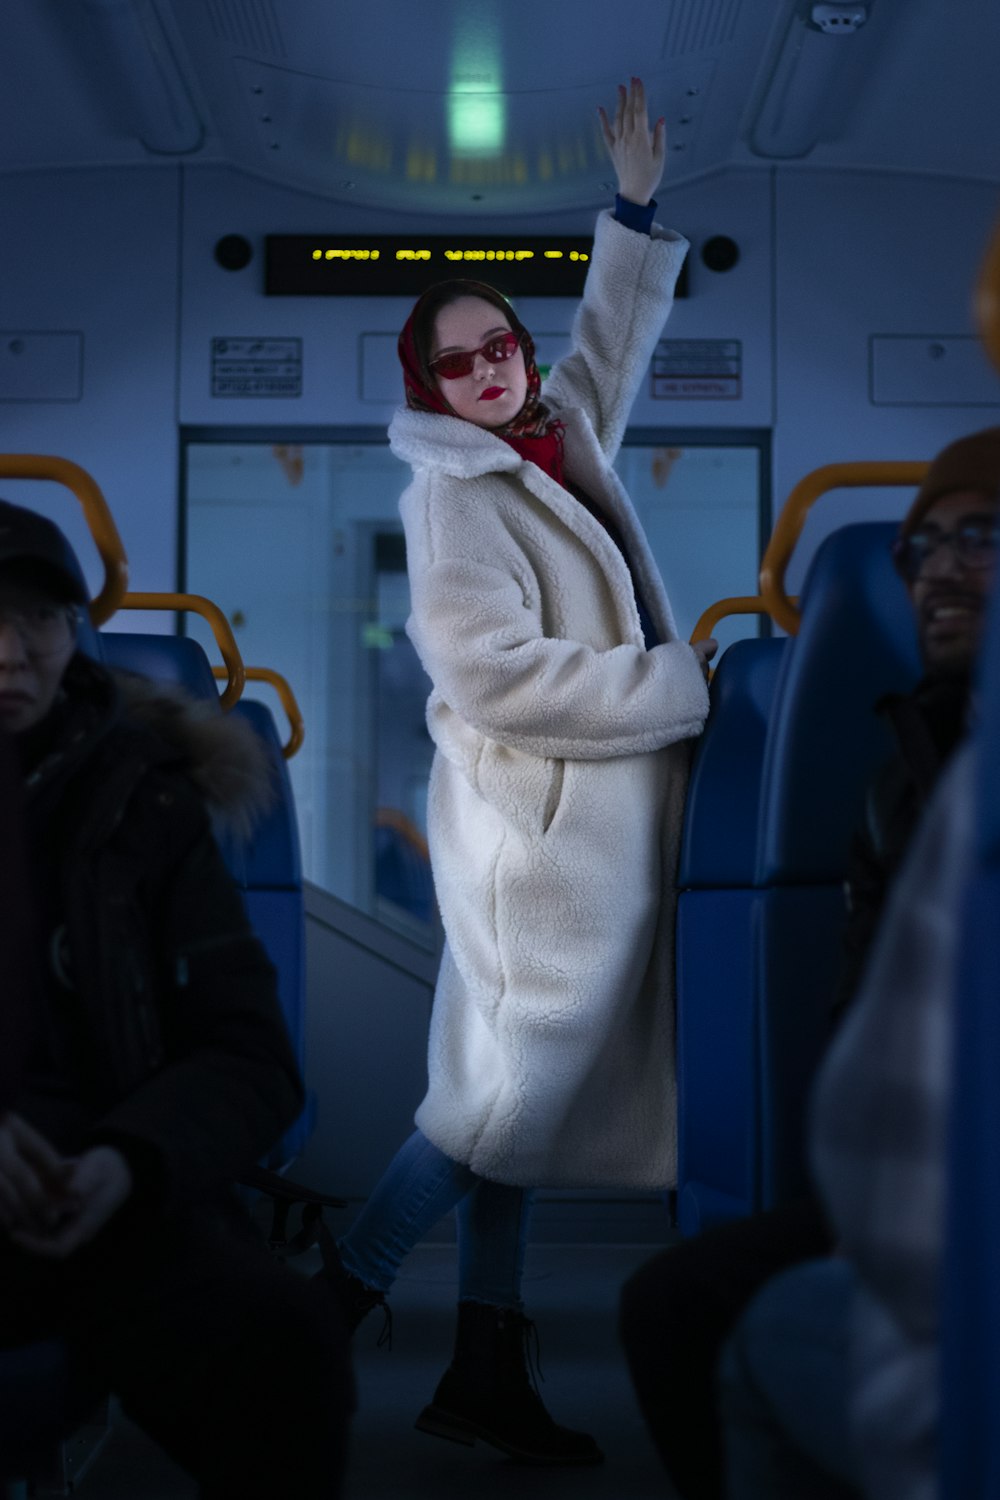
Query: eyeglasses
44 628
500 347
974 544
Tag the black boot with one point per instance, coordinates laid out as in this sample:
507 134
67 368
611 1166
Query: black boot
356 1299
487 1392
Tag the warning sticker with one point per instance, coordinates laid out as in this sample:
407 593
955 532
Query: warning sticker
697 370
256 367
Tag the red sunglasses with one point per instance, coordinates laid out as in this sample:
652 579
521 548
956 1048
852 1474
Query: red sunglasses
500 347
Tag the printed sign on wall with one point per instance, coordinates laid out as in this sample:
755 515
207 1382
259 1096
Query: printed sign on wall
697 370
256 367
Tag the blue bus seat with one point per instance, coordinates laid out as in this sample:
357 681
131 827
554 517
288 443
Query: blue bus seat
403 873
719 843
759 927
268 869
716 1086
165 658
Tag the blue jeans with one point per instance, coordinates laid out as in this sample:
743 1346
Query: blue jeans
419 1187
784 1388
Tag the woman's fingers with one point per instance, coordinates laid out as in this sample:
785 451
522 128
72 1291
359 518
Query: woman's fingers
638 153
630 123
660 140
637 104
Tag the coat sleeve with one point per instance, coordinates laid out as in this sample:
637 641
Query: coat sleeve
628 294
481 644
229 1083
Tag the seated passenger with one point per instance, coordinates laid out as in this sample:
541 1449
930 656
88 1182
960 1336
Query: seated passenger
678 1309
829 1384
15 914
158 1066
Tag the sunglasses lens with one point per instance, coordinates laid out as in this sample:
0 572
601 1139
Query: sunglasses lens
452 366
500 348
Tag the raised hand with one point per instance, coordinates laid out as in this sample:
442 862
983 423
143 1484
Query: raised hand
638 154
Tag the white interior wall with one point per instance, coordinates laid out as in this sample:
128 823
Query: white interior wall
860 256
124 256
96 252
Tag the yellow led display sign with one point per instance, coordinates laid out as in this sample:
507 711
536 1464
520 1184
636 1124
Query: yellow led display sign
299 265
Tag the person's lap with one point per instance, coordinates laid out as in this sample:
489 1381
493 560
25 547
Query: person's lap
784 1387
677 1311
207 1339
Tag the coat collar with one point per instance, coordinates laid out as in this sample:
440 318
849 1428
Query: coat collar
459 449
449 445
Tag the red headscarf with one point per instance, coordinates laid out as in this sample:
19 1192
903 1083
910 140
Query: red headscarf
532 433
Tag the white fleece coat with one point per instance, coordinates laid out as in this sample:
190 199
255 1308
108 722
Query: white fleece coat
557 788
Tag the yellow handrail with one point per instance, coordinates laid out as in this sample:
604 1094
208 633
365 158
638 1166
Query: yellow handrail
739 604
988 300
225 640
96 513
790 522
289 703
391 817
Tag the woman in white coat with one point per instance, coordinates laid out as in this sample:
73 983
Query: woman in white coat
562 703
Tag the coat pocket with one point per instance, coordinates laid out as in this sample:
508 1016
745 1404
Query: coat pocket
525 789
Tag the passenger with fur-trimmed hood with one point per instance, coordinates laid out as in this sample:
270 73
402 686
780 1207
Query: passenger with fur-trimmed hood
157 1065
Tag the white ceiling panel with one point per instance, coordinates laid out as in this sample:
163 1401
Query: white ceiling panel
470 108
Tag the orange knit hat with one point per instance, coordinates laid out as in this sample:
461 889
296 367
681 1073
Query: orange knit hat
970 463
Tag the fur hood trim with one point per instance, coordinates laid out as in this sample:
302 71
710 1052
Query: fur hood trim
221 753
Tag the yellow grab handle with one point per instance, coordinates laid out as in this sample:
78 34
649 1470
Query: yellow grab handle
224 638
739 604
289 703
988 300
788 527
391 817
96 513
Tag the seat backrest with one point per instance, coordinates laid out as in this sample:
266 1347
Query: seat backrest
272 860
857 642
175 659
268 867
719 845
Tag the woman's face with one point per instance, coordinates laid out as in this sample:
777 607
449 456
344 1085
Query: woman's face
493 391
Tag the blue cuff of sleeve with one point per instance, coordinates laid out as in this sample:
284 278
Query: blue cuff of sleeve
635 216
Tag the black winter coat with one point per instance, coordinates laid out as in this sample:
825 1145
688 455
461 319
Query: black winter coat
927 725
181 1055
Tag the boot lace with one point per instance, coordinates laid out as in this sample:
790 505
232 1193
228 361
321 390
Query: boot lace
384 1340
532 1353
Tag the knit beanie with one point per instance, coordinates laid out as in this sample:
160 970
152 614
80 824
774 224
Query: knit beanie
970 463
